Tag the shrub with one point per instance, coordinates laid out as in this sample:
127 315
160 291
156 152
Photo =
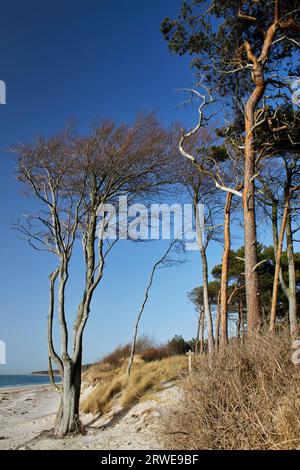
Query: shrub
117 357
248 399
154 354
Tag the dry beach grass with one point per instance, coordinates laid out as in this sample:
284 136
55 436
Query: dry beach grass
249 399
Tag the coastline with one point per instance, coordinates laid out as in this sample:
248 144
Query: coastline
24 388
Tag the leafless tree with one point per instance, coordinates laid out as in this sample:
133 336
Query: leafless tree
72 179
163 261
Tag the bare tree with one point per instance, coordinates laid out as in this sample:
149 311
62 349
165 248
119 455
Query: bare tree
73 179
163 261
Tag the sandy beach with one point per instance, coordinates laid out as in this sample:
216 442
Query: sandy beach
28 413
25 413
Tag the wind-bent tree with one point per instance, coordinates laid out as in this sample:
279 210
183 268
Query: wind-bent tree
164 260
241 47
73 179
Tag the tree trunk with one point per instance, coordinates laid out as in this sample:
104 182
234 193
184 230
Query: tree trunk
278 265
241 319
292 279
202 332
250 239
197 343
224 275
137 322
133 346
67 418
206 304
275 244
209 325
238 326
218 319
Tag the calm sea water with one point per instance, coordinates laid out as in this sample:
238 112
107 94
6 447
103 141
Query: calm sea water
24 380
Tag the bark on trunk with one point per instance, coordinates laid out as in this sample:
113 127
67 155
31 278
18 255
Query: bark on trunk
294 326
224 275
218 319
241 327
67 418
202 343
250 239
209 325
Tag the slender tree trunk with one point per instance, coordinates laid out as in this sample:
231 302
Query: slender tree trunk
294 327
202 332
224 275
133 345
241 319
206 303
218 318
139 316
278 265
275 244
209 325
238 326
197 343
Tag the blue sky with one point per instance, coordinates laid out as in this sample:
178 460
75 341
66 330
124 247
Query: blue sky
78 59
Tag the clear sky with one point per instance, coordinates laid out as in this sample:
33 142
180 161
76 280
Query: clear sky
78 59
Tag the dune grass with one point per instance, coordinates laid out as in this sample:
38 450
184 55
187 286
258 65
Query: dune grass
249 399
145 379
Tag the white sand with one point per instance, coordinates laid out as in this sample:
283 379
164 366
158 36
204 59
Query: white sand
26 413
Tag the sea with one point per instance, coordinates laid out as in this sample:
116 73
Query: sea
24 380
